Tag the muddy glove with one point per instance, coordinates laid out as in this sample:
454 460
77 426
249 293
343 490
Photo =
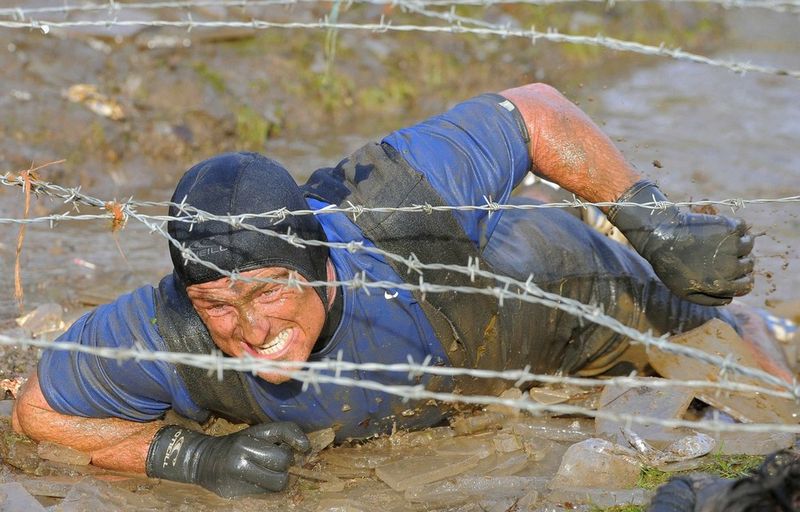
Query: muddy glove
252 461
701 258
774 487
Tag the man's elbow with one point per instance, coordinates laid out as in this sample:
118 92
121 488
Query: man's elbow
533 91
28 406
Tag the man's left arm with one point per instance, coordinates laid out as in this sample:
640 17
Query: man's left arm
702 258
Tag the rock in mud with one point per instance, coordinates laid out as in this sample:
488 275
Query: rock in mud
471 424
664 403
718 338
463 489
14 498
753 443
93 494
600 497
414 471
481 445
500 464
598 464
45 318
53 487
64 454
340 505
17 450
555 429
513 394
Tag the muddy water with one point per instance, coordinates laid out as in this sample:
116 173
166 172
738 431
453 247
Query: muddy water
714 135
719 135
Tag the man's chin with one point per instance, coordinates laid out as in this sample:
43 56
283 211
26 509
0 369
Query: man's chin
274 378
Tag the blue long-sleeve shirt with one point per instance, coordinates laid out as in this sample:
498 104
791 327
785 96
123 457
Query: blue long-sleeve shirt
474 152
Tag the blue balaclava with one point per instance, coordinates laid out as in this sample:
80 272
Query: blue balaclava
235 184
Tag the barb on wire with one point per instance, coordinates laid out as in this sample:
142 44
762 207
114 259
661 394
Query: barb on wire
485 29
505 288
193 215
331 371
21 12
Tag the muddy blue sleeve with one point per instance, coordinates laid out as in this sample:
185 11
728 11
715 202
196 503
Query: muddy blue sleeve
476 151
82 384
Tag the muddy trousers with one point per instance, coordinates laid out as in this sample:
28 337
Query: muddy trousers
567 257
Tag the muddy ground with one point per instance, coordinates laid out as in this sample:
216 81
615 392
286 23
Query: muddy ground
129 109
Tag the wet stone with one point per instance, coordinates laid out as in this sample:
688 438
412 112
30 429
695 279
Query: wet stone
45 318
93 494
555 429
340 505
6 407
64 454
359 457
504 443
463 425
455 491
17 450
14 498
414 471
481 445
555 395
510 411
600 497
656 402
54 487
752 443
321 439
597 463
424 437
500 464
718 338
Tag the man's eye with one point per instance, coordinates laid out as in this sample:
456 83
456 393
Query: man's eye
270 294
218 309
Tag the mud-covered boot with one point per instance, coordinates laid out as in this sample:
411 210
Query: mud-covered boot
774 487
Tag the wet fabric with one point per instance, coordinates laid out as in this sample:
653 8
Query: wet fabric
238 184
473 152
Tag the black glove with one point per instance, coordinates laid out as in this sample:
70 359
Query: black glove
252 461
775 486
701 258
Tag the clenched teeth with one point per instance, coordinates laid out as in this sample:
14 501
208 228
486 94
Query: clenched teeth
277 344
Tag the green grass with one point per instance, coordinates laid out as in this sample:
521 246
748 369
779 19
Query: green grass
725 466
211 77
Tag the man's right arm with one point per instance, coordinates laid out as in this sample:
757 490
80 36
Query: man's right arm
112 443
252 461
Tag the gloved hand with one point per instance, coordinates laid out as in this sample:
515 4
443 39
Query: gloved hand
701 258
252 461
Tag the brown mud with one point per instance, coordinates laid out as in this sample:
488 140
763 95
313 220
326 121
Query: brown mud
130 109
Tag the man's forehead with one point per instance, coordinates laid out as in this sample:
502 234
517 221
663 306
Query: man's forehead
224 283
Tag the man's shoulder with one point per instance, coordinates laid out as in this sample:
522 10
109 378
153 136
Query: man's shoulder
130 316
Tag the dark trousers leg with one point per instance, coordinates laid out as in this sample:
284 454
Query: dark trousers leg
567 257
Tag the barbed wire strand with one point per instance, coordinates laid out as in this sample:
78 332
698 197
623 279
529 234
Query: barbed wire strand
21 12
507 288
532 34
312 375
76 196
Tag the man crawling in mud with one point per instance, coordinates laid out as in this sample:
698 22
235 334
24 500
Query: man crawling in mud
688 266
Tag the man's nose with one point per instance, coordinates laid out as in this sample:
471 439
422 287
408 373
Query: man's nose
255 327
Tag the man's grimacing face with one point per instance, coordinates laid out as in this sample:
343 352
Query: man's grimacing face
265 320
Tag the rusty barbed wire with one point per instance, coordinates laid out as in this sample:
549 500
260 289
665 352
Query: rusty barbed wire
458 27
